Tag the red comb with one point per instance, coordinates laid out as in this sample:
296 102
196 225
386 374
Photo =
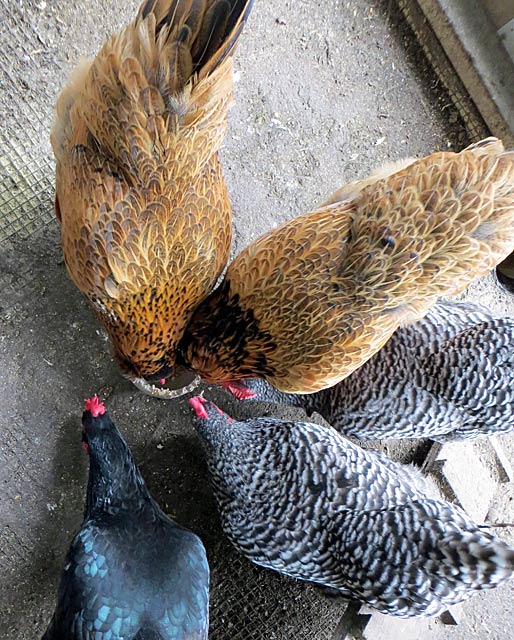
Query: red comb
198 403
95 407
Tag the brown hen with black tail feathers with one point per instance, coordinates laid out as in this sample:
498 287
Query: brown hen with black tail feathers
309 302
144 211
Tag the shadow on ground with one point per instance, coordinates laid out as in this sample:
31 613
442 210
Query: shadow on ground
53 355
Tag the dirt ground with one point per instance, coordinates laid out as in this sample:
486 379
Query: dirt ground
324 93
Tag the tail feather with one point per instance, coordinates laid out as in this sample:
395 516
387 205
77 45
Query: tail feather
428 554
487 146
212 33
170 13
236 20
164 61
207 30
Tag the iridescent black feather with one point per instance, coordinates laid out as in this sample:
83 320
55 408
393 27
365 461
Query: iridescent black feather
131 572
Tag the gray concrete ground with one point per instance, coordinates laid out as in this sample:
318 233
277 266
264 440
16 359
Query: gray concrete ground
323 95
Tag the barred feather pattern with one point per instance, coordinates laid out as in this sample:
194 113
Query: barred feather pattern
303 500
449 376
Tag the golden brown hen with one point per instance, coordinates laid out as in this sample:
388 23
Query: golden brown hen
143 207
309 302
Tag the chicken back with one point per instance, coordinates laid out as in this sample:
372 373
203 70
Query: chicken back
130 572
449 376
303 500
312 300
143 207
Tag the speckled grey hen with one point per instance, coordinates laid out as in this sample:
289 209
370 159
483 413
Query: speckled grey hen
303 500
450 376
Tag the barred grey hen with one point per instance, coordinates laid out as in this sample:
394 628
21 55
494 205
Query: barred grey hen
449 376
303 500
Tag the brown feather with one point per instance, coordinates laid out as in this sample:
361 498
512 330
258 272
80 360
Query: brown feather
143 207
309 302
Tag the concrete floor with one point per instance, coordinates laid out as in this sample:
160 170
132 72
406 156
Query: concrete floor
323 95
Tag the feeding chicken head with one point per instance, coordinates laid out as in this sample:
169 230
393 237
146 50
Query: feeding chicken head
98 430
141 200
109 455
144 326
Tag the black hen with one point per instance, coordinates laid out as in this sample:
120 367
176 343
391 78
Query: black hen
131 572
504 273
